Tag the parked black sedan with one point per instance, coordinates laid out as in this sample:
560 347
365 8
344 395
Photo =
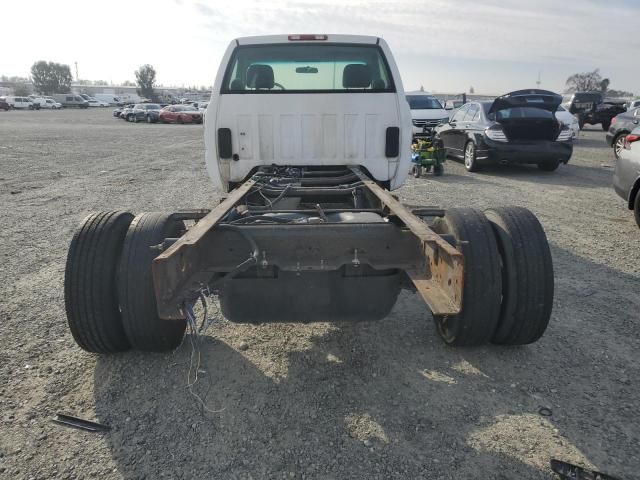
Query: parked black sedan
621 126
519 127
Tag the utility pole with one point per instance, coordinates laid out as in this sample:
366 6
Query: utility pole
77 78
538 82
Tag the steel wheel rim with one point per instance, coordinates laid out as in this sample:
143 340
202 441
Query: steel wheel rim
619 145
468 155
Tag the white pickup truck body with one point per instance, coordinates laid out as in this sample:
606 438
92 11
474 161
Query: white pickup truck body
289 117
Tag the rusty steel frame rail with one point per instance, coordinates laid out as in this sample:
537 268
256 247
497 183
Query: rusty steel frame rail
441 281
437 272
169 282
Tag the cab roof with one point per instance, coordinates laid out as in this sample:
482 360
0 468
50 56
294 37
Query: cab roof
328 38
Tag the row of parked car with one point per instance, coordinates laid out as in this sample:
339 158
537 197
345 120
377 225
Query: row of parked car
155 112
521 127
533 126
56 101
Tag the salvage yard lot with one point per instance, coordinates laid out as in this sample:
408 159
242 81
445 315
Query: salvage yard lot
372 400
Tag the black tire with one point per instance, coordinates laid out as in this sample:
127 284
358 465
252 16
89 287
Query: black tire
90 291
549 166
469 157
149 119
477 322
527 276
618 144
438 169
605 125
144 329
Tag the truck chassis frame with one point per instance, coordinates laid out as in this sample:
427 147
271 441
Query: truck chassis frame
305 244
434 266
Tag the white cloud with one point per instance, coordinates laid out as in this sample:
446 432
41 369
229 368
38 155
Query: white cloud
503 42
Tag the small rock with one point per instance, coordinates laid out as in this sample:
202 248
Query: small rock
367 443
242 346
15 192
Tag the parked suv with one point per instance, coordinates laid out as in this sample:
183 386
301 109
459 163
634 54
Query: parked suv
621 126
144 112
426 113
519 127
592 108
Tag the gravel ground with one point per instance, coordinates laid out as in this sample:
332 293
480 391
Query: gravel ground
374 400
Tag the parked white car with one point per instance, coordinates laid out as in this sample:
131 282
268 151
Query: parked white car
569 119
426 112
94 102
38 102
51 104
20 103
108 98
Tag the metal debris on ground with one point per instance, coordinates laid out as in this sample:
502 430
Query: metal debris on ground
79 423
570 471
545 412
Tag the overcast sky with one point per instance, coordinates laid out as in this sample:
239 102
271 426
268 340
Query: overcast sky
446 46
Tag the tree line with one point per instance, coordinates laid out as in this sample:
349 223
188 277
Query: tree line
51 77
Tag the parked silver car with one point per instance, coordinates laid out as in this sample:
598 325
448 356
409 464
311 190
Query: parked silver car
626 179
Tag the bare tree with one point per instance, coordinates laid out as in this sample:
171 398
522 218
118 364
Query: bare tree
585 82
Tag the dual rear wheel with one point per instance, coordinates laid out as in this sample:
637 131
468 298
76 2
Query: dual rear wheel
111 306
508 277
109 296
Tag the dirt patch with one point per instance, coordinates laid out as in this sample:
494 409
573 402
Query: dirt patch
373 400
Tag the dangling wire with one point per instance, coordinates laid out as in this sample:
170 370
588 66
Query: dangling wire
196 341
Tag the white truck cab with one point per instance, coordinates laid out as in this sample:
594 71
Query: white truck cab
308 100
426 112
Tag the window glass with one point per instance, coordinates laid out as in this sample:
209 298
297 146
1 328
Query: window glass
69 99
522 112
459 116
309 68
423 102
472 113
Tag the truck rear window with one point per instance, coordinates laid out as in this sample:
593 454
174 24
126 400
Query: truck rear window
305 68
